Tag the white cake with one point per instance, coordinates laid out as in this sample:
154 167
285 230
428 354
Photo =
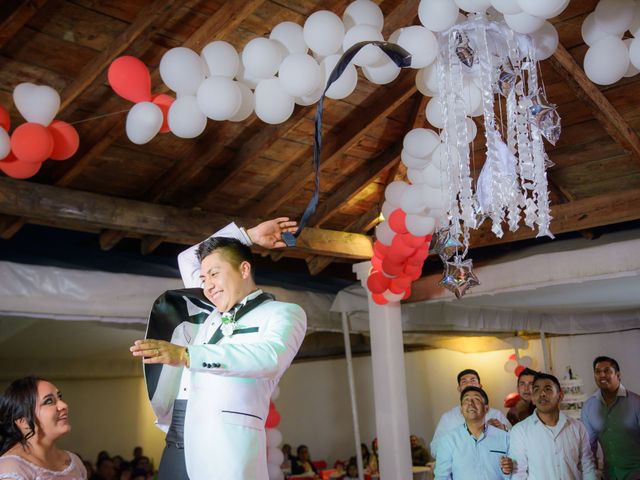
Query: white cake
573 397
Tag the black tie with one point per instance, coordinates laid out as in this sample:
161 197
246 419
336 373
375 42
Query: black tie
242 310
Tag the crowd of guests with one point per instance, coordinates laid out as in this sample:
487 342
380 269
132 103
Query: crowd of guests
117 468
536 440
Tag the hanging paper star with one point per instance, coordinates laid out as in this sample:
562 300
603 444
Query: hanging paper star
544 115
458 276
444 244
465 53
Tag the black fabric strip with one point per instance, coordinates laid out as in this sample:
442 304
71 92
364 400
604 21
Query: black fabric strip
242 413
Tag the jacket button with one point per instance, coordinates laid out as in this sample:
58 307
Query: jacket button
215 365
204 364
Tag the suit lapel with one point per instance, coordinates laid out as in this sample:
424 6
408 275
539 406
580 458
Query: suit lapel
241 311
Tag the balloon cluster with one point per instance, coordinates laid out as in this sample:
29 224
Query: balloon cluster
516 366
40 137
609 57
130 79
275 457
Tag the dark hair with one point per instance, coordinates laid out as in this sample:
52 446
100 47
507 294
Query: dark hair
613 363
527 371
300 447
18 401
546 376
233 250
468 371
472 388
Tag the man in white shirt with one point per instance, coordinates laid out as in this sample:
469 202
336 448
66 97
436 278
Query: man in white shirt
548 444
218 376
453 418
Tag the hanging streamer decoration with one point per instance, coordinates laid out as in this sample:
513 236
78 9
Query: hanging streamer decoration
401 58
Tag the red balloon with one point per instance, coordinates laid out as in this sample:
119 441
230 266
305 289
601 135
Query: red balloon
512 356
399 284
376 263
511 399
377 282
390 267
15 168
379 298
413 271
407 294
400 247
397 221
130 79
273 419
163 101
31 142
519 369
412 240
65 140
5 119
380 248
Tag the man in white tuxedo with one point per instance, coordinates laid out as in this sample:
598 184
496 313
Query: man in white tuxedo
217 381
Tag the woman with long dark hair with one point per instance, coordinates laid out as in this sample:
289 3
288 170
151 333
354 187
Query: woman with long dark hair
33 417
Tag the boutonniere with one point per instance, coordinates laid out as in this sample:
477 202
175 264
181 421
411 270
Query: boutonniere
228 323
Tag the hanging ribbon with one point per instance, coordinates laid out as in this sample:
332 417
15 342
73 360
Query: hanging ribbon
401 58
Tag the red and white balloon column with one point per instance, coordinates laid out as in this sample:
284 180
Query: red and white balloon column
275 457
40 138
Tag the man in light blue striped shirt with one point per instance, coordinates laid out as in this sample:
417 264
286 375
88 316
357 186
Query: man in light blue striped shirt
474 449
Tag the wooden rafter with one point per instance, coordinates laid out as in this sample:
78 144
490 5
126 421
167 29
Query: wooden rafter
86 211
18 19
602 109
346 135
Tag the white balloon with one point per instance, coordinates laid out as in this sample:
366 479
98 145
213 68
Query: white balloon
248 80
420 43
370 54
345 84
5 143
427 80
274 472
590 31
523 22
473 5
420 225
312 97
420 142
220 59
415 176
219 98
634 52
246 106
290 35
545 41
472 129
510 366
182 70
275 456
384 234
506 6
274 396
273 104
413 162
36 103
299 74
526 361
440 157
394 192
274 437
323 32
607 61
411 200
382 74
634 28
540 8
144 121
261 58
632 70
434 177
386 209
434 197
433 112
560 9
614 16
363 12
437 15
471 96
185 118
392 297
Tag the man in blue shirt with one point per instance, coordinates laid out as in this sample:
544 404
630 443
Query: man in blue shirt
474 449
612 418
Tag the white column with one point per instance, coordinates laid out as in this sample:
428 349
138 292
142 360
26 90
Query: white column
389 385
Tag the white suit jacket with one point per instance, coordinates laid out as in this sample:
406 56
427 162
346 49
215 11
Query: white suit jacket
232 383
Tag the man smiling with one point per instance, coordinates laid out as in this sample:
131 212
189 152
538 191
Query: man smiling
227 366
612 418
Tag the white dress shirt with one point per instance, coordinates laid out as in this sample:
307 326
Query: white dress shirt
453 418
561 452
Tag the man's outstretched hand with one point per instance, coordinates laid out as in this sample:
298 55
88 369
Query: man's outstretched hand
269 234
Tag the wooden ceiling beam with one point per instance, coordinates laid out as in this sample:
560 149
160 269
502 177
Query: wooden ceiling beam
18 19
343 137
186 226
610 119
